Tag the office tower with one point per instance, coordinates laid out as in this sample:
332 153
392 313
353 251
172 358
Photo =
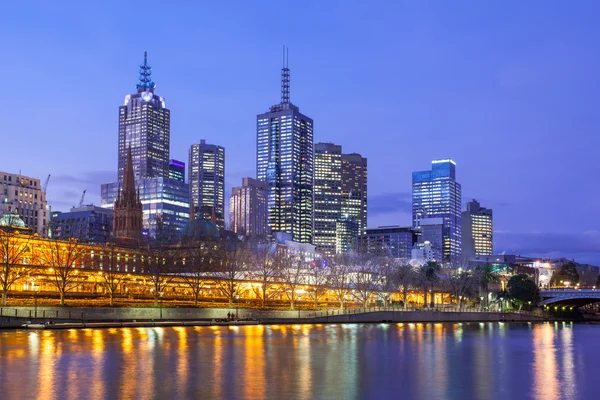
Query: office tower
285 162
144 126
346 235
248 208
432 234
327 196
90 224
177 170
436 194
22 195
388 241
477 231
354 188
206 177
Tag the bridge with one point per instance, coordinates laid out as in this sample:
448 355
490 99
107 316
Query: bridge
571 297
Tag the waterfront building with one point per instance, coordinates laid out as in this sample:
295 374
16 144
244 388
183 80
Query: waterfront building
24 196
437 194
354 188
90 224
248 208
206 176
284 160
144 125
327 197
177 170
477 231
388 241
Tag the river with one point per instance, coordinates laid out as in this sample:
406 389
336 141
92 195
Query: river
351 361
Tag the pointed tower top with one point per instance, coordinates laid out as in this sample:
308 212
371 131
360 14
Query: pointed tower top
285 77
128 179
145 82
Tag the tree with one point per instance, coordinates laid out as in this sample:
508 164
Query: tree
486 276
317 279
405 278
385 285
293 271
462 285
363 278
266 269
429 277
566 275
159 265
523 290
15 253
62 260
110 276
198 261
339 278
232 265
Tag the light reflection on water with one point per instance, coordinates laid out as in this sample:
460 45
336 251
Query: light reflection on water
405 360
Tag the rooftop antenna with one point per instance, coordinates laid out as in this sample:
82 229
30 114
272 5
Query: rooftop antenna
285 77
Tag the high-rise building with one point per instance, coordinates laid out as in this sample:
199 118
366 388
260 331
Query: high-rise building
90 224
177 170
327 196
346 235
248 208
354 188
431 236
477 231
206 177
22 195
436 194
144 126
388 241
285 162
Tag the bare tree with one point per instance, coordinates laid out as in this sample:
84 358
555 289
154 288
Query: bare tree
266 270
363 278
62 260
15 252
233 261
198 261
110 275
385 284
293 271
461 286
159 266
339 278
317 279
405 278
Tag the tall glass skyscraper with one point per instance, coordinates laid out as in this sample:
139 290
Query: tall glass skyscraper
206 175
284 160
144 126
436 194
327 196
354 188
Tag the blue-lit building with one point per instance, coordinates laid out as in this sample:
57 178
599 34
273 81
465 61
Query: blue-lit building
90 224
284 160
388 241
145 126
436 194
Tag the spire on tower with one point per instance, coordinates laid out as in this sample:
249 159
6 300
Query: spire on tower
145 80
128 180
285 77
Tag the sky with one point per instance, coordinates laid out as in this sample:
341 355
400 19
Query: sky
509 90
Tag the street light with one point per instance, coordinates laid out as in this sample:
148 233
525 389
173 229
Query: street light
161 296
35 295
481 303
237 298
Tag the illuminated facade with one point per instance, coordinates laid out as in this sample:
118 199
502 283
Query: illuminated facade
22 195
354 188
206 176
346 235
177 170
90 224
248 208
144 125
284 160
477 231
327 196
436 194
388 241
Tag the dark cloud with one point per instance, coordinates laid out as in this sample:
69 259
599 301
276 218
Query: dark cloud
390 202
87 177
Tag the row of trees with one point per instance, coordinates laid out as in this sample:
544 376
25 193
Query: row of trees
232 267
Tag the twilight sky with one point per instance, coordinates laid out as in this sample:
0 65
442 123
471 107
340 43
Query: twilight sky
507 89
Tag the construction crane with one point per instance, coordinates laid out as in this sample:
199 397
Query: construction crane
82 198
46 184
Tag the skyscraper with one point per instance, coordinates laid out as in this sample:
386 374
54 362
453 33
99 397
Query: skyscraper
248 208
206 176
436 194
477 231
327 196
354 188
177 170
285 162
144 126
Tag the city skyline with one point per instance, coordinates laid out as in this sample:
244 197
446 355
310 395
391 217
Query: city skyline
442 112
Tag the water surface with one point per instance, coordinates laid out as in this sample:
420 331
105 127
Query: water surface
353 361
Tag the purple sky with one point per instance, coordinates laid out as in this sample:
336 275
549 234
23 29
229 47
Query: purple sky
508 89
